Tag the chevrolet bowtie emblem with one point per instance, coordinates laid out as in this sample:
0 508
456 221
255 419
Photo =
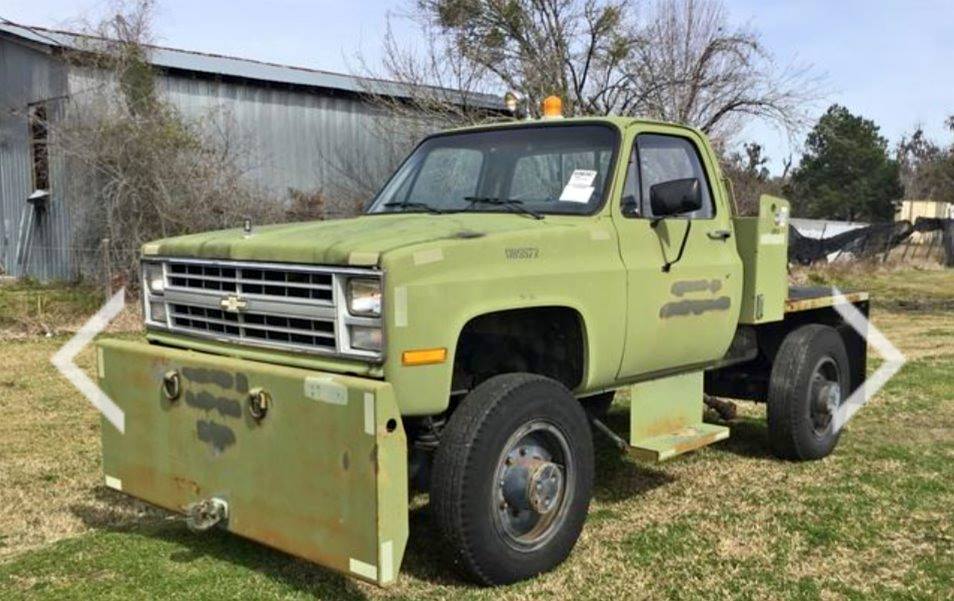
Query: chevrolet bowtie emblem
233 304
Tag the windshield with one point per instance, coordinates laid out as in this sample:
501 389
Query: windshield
551 169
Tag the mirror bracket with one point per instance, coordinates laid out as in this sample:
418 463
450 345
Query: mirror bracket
667 266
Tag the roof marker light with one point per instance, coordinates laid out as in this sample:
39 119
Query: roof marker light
552 107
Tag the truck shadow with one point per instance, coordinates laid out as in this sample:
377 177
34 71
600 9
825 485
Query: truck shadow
748 438
188 547
619 477
427 557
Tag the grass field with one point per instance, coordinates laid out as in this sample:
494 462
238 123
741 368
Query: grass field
872 521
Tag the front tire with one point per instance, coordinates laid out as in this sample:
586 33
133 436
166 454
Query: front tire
808 385
513 477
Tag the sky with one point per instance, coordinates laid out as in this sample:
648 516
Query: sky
890 61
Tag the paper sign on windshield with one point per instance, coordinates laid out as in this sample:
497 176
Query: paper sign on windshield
580 186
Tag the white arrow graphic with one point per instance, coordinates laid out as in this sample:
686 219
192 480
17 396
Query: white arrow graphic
63 360
894 360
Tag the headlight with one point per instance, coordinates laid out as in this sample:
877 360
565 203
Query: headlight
366 338
152 278
364 297
157 311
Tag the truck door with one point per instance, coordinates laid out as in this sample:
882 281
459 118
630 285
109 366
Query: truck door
685 315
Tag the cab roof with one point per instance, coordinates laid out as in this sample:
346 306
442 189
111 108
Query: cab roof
618 122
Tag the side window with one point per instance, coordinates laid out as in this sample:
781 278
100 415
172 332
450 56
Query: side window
661 159
447 173
39 148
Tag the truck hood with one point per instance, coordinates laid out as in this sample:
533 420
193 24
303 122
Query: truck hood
357 241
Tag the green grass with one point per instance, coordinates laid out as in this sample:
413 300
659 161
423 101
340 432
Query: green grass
29 308
873 521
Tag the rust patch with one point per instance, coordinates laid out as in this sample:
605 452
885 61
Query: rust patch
186 485
218 436
209 402
694 307
694 443
198 375
662 427
806 304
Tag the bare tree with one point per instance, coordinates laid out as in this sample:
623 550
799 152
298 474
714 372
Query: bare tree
693 67
138 169
678 60
748 172
927 168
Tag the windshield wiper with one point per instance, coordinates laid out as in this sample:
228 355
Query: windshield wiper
515 205
410 204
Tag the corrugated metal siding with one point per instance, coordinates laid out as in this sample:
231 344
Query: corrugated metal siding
28 75
292 138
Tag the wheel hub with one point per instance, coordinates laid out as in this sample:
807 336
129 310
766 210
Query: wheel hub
531 487
545 487
825 395
828 398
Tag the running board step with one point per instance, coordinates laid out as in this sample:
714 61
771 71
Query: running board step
665 418
667 446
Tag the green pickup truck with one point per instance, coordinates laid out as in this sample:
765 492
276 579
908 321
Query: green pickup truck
465 337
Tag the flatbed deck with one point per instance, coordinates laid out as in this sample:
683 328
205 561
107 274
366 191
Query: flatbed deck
804 298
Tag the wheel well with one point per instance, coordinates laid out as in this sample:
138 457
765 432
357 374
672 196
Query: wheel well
749 380
548 341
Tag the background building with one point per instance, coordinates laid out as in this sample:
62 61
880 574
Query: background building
293 124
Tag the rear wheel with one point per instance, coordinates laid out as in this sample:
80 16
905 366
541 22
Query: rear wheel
809 382
513 477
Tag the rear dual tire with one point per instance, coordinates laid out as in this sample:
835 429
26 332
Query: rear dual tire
513 477
808 385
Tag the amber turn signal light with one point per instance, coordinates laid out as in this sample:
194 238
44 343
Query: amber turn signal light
427 356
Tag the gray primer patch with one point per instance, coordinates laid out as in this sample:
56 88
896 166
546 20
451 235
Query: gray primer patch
199 375
694 307
241 383
688 286
209 402
219 436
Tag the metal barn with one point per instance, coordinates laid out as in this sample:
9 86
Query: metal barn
286 116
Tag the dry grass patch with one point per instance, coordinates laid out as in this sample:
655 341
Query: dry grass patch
29 310
50 468
729 521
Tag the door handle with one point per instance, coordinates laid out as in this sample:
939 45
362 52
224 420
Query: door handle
719 234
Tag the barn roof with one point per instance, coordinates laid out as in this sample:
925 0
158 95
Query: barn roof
230 66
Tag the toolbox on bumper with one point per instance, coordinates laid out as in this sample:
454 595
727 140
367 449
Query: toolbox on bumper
311 463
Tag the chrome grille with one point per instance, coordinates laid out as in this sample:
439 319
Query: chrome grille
260 281
255 326
263 304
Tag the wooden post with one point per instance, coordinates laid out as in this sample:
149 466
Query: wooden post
934 238
887 246
947 241
107 272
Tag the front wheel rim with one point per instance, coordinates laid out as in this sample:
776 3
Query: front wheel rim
533 485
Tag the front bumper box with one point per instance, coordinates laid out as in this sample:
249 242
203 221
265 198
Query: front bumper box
321 475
